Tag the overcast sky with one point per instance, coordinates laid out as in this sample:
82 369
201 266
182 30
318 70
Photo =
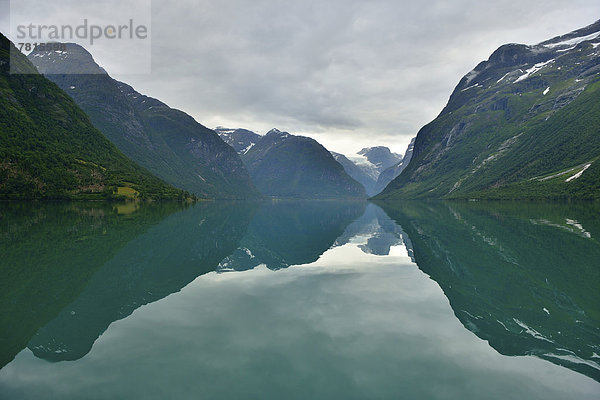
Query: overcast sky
349 73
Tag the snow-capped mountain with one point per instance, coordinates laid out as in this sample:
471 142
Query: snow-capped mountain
367 165
363 173
380 157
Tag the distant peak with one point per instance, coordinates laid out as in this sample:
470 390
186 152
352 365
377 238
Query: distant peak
369 149
278 133
375 151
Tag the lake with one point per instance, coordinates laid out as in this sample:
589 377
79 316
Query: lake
300 300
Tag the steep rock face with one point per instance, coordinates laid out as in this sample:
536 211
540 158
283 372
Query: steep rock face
242 140
50 149
523 124
168 142
289 166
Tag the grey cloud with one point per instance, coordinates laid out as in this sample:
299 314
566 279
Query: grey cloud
351 73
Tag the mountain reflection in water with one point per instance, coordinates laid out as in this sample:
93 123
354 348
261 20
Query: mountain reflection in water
523 277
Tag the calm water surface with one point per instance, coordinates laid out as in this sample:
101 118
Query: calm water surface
300 300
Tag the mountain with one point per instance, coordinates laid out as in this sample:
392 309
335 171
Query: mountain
523 124
381 157
357 173
389 174
286 233
168 142
241 140
49 149
367 165
288 166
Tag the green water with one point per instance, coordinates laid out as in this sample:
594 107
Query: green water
300 300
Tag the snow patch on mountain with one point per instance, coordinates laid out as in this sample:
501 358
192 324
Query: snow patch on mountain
574 41
574 359
470 87
248 148
531 331
537 67
363 163
471 75
360 159
503 76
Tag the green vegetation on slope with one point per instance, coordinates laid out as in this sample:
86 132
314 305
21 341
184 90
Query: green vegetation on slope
50 150
568 140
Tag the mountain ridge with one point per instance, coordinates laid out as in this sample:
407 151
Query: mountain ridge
240 139
168 142
290 166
